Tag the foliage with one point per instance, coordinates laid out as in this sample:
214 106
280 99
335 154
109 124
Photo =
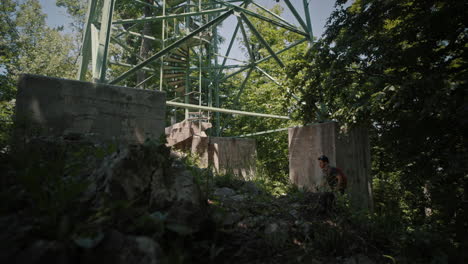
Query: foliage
6 122
263 95
8 36
46 180
28 45
399 68
76 9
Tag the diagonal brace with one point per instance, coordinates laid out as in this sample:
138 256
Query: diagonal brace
172 46
246 39
269 20
298 17
229 48
261 39
235 73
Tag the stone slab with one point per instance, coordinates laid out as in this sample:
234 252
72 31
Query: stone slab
233 155
53 106
349 152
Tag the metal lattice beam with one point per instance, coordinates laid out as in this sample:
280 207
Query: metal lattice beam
185 45
170 47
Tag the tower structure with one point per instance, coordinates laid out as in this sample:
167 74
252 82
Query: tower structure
174 46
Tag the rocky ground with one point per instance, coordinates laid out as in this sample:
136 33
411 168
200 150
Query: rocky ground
71 200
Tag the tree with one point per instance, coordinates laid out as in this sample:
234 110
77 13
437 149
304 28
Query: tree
28 45
32 46
8 36
400 68
263 95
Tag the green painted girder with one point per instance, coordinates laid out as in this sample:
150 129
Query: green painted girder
241 89
145 80
130 66
235 73
228 51
233 37
104 38
166 67
273 14
222 67
283 50
136 34
267 75
246 39
274 22
159 18
276 82
261 39
298 17
234 59
124 30
223 110
172 46
125 47
85 52
309 23
264 132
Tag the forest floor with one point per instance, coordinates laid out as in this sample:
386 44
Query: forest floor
72 201
261 222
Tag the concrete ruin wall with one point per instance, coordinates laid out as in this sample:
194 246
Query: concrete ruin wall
225 155
350 152
233 155
52 106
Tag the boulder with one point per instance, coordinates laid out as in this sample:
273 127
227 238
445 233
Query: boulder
43 251
118 248
147 174
224 192
276 233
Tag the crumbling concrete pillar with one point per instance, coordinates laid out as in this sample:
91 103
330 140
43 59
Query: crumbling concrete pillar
55 107
233 155
348 151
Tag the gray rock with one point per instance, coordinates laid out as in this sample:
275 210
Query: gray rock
294 213
295 205
117 248
224 192
231 218
179 196
141 172
124 175
238 198
251 188
12 234
43 251
276 233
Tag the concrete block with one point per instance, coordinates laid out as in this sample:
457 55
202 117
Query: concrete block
233 155
200 147
349 152
52 106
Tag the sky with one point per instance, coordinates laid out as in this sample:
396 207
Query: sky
319 11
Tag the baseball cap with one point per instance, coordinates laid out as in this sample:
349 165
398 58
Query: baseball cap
323 158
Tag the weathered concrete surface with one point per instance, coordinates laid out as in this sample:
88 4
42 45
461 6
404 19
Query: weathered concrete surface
185 130
350 152
225 155
52 106
190 136
233 155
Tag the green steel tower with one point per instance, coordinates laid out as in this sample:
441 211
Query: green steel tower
173 46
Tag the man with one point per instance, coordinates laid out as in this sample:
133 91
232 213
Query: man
333 177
